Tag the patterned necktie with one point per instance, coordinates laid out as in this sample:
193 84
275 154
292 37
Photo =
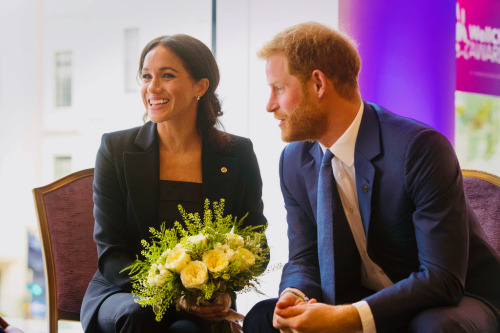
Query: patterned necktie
337 252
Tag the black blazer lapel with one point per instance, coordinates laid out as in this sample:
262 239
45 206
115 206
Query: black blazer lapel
142 174
219 175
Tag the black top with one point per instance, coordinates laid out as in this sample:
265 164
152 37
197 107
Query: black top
173 193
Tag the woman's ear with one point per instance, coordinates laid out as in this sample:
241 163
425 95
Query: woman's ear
319 82
202 86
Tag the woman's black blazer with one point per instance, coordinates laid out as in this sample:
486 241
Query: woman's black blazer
126 197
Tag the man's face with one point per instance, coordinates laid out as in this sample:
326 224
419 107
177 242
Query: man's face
297 109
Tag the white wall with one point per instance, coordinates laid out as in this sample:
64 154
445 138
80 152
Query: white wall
20 95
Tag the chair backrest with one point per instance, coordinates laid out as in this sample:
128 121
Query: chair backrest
483 193
65 217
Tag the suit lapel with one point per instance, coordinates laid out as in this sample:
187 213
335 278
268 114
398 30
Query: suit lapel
310 169
367 148
219 174
142 172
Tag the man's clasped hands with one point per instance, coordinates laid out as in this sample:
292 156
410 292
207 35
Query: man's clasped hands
295 314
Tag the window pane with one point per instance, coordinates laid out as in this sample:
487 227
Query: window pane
131 58
62 166
63 78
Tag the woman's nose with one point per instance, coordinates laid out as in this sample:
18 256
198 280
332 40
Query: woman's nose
154 85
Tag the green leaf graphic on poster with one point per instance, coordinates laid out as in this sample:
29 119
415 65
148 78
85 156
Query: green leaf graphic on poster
477 131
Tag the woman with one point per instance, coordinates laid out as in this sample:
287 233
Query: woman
142 174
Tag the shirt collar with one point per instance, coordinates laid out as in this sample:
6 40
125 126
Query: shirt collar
344 147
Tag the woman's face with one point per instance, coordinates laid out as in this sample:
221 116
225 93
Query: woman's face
168 91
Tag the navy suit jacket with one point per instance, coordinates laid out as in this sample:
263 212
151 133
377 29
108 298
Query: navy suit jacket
419 228
126 197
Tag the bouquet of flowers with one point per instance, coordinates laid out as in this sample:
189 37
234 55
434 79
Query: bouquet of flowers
200 260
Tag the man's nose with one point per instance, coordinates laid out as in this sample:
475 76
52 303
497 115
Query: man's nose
272 105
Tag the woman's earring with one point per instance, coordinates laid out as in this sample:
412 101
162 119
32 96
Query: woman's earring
198 98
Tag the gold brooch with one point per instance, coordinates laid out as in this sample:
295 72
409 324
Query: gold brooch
223 169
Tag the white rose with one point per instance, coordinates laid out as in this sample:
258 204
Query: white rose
153 270
215 260
151 280
247 258
165 273
177 246
198 239
177 260
231 255
235 241
160 280
194 275
166 253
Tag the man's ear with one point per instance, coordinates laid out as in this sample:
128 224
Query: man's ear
319 81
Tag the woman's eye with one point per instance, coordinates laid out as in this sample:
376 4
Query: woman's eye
146 76
167 76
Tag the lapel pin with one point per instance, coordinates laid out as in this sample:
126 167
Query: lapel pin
365 189
223 169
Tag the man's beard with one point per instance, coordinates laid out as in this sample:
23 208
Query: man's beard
307 122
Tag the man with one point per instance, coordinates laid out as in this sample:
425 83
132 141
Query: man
392 245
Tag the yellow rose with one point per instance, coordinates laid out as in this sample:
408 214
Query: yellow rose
235 241
247 258
177 260
215 260
198 239
194 275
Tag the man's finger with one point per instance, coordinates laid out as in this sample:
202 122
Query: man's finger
278 325
291 311
287 299
281 323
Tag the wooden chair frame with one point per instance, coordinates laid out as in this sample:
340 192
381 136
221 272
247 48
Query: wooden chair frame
493 179
39 193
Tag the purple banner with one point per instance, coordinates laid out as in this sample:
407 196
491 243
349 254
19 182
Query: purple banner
407 53
478 46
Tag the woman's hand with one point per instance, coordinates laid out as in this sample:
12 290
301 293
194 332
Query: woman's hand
213 311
